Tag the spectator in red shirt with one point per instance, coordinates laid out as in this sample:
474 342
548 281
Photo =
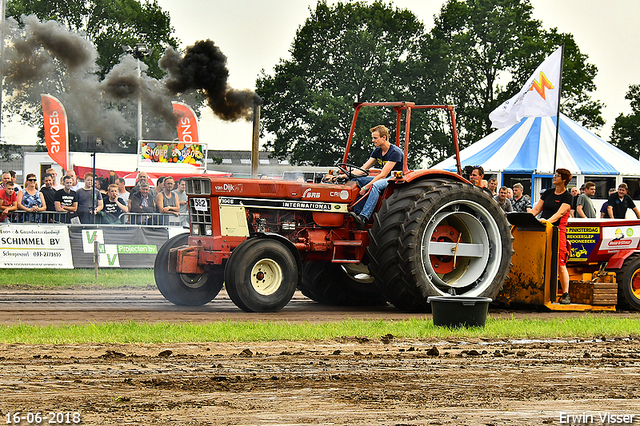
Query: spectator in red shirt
9 201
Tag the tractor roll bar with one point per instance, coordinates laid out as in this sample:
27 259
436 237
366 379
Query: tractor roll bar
399 107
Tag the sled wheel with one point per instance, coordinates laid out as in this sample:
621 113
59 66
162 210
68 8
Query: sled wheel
628 278
340 284
185 289
261 275
437 238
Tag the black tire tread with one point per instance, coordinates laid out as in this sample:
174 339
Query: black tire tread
242 294
327 283
625 300
171 286
393 250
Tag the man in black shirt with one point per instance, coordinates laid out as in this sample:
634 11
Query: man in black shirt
49 192
114 206
66 199
619 203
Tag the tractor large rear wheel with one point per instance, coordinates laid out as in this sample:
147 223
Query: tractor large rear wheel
435 238
185 289
628 278
340 284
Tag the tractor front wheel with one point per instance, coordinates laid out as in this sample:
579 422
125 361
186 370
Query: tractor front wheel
261 275
185 289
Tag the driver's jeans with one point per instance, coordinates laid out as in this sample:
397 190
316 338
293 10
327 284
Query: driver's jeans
377 189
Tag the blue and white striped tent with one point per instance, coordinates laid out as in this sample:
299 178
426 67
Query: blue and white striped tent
528 147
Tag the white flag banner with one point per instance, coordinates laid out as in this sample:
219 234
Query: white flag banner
537 98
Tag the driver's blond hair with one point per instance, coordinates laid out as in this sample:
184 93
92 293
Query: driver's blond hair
382 131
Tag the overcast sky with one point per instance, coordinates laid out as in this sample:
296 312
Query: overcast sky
256 34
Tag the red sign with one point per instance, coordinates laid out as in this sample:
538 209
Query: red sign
614 243
187 123
56 135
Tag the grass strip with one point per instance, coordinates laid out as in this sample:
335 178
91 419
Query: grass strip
588 326
66 278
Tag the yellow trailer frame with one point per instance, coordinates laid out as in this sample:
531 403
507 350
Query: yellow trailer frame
533 278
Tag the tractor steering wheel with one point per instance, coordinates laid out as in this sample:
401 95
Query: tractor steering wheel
347 169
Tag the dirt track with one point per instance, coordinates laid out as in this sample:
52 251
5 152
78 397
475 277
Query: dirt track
75 305
354 381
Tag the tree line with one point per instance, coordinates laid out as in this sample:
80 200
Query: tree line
477 54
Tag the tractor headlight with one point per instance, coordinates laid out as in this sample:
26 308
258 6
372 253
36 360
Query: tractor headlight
207 230
195 229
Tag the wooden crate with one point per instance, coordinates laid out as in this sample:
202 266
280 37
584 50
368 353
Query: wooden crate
609 277
591 293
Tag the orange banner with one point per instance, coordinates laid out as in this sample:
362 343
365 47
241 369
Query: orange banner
56 134
187 123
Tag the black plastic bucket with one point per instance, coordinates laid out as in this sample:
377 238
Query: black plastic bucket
459 311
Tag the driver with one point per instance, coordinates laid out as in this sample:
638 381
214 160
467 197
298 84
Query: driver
387 157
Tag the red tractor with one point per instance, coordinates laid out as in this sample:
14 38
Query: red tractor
433 233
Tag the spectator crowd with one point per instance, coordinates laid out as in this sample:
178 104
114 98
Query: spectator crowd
514 199
72 201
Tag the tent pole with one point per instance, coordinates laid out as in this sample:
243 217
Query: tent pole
555 154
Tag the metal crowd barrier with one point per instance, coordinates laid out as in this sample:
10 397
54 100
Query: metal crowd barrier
152 219
21 216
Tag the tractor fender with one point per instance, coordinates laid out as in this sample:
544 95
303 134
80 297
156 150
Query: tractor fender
433 174
617 260
288 244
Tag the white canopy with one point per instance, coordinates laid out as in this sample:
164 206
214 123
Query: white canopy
528 147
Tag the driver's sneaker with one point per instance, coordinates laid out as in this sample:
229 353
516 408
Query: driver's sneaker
565 299
359 220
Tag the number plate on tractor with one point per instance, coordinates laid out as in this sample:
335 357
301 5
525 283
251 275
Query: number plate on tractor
200 204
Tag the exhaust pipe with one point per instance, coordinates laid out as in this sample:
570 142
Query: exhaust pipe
255 140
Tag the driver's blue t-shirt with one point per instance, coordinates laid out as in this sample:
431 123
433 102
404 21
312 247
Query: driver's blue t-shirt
393 154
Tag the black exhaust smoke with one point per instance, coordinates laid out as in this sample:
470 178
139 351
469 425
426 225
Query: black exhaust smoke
35 51
204 68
